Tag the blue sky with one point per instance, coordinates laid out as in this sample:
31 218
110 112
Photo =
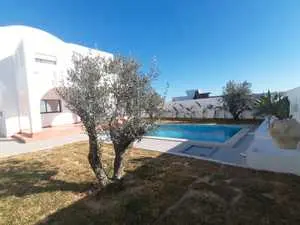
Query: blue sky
198 44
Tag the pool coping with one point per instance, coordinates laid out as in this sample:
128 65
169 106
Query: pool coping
228 143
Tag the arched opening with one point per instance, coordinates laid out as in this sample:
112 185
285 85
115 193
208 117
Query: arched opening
54 111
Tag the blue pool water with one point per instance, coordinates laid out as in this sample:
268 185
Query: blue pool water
196 132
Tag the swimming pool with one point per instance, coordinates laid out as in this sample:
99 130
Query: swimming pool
196 132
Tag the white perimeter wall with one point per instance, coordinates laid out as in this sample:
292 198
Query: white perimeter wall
206 108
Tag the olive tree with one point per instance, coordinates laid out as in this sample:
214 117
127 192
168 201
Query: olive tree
86 94
237 97
135 105
111 96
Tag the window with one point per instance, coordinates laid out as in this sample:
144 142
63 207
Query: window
50 106
45 61
43 58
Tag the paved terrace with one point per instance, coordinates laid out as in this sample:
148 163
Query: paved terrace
46 139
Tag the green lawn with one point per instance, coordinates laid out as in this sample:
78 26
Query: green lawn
52 187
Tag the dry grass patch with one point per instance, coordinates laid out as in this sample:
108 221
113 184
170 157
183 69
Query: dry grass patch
51 187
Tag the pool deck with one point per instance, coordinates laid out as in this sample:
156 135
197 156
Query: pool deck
229 154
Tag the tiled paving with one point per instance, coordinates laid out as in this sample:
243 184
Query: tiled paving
13 147
233 155
51 132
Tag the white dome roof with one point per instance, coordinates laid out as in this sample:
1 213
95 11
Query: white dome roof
37 40
21 31
11 36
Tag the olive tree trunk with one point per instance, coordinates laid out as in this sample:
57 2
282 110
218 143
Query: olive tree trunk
120 146
118 165
236 115
118 161
94 159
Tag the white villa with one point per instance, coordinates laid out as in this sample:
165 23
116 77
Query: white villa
32 62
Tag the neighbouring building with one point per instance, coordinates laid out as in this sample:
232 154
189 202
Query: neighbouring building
192 94
32 62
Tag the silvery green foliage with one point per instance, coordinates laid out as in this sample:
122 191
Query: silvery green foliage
135 104
87 94
106 91
237 98
112 97
85 90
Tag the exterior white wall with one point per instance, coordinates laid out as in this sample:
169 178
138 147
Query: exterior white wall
40 77
8 96
294 98
15 94
55 119
265 154
22 90
24 82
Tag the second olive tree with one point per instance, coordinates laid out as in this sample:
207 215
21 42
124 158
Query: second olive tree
135 105
237 98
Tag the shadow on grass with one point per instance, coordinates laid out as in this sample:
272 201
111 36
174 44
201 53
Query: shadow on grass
147 189
177 190
18 178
